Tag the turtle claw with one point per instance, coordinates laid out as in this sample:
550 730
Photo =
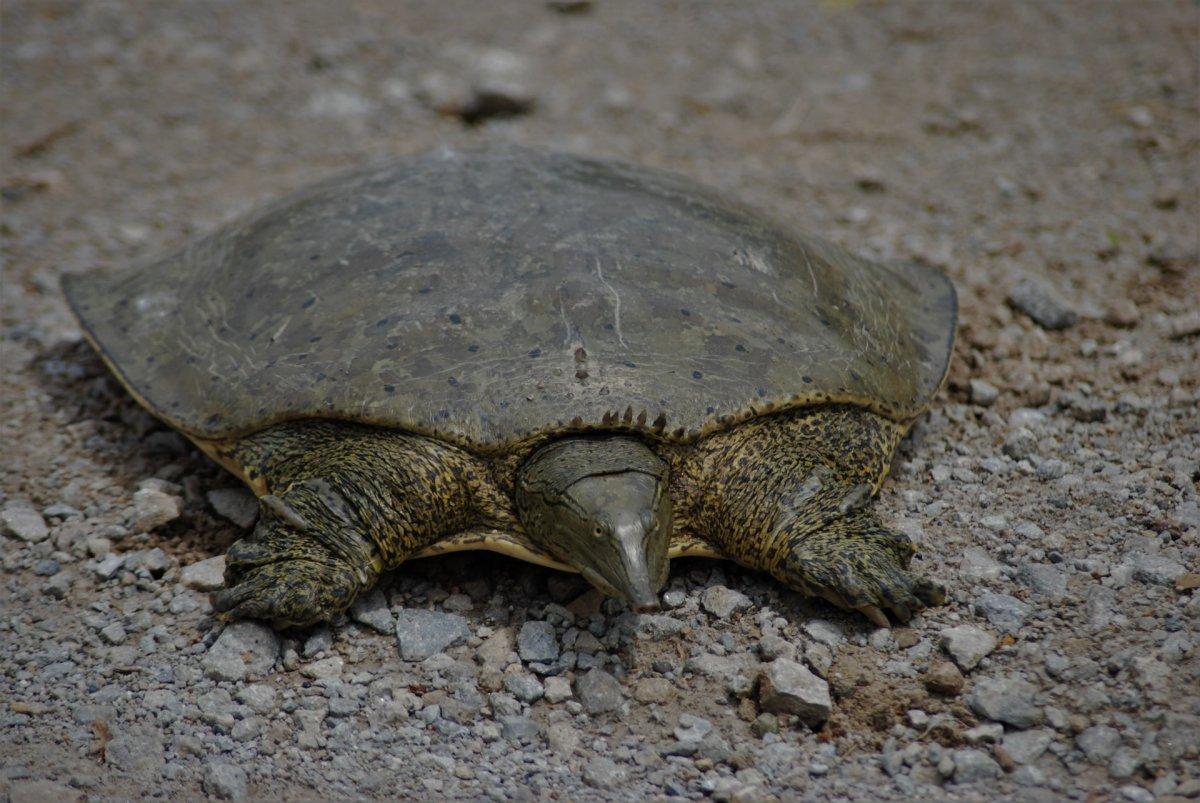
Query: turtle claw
862 570
286 593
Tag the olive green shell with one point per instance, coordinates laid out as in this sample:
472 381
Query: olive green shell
488 297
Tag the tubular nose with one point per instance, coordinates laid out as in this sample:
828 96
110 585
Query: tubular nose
639 585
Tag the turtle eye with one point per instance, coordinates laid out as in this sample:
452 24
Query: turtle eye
600 531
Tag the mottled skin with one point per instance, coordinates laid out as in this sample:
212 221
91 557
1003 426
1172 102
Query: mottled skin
788 494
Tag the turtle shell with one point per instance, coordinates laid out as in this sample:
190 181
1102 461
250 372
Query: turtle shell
489 297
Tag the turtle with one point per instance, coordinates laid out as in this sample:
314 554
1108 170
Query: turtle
580 362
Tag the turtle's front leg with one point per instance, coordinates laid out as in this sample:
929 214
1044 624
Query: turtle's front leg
854 562
791 496
300 566
348 503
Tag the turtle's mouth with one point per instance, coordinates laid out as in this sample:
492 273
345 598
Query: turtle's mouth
640 592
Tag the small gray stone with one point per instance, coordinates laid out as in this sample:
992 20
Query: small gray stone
113 633
788 687
371 609
495 650
723 602
225 781
1006 699
137 751
24 523
319 640
1098 743
825 632
598 692
236 504
258 697
107 567
983 393
324 669
153 508
1037 300
967 645
1044 579
204 575
657 626
518 728
524 686
972 766
1156 570
243 648
692 728
424 633
604 773
1004 612
536 642
557 689
1020 444
1026 747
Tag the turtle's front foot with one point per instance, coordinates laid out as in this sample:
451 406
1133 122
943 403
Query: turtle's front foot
264 580
857 564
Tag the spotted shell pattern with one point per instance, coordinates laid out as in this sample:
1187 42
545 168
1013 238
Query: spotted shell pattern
495 296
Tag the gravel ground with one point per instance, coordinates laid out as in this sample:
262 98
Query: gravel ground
1043 154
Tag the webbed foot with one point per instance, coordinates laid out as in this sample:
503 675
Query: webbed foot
288 581
857 564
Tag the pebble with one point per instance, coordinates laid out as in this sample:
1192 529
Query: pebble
598 691
238 505
319 640
652 690
557 689
1156 570
983 393
24 523
244 649
1004 612
519 728
204 575
371 609
537 642
108 566
1006 699
524 686
1026 747
113 634
138 751
604 773
1044 579
1098 743
225 781
967 645
723 602
944 677
1037 300
972 765
324 669
424 633
788 687
496 648
825 632
153 508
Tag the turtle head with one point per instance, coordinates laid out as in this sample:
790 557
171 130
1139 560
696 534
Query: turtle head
601 506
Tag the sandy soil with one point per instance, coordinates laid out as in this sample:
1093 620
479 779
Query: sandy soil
1053 487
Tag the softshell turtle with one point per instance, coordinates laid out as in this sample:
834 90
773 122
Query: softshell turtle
582 363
